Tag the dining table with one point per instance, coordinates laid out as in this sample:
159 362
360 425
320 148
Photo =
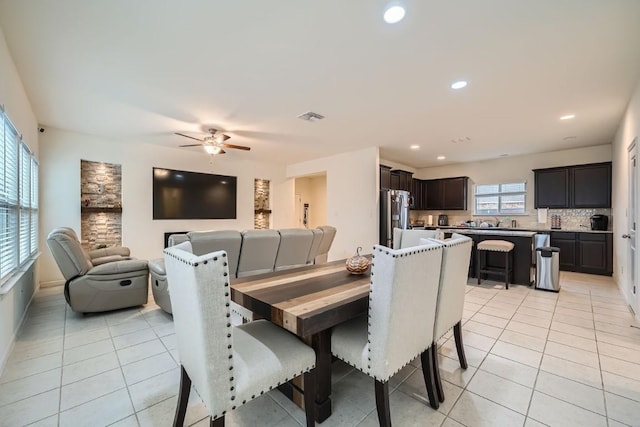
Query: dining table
307 301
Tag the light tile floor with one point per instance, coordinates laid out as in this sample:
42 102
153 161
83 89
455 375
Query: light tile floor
535 358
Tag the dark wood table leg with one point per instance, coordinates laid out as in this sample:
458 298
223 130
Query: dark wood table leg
321 343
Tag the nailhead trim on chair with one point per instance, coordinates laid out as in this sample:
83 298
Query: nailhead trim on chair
369 315
229 335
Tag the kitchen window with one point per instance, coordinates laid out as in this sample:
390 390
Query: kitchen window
500 199
18 200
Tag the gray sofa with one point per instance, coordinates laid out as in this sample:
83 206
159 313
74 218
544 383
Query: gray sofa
250 252
100 280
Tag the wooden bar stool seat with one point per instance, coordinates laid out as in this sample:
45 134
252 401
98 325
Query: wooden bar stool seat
494 246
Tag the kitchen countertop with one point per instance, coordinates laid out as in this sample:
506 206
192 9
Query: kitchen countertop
496 232
533 230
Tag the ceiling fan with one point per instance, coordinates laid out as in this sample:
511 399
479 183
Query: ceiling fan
213 143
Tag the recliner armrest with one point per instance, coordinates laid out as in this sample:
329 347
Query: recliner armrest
100 253
106 259
118 267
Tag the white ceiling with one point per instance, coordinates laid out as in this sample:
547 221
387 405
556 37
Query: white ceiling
141 70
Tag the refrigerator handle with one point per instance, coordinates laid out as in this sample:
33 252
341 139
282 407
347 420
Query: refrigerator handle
389 220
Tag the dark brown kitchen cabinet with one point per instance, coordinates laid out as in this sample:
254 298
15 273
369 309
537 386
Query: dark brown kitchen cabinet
591 186
447 193
434 194
417 192
566 242
585 252
579 186
595 253
401 180
552 188
454 194
385 177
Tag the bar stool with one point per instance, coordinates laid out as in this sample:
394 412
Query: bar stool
494 246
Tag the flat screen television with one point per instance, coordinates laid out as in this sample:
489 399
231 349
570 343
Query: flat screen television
193 195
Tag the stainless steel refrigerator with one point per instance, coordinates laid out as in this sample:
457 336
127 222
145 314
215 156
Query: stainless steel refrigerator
394 213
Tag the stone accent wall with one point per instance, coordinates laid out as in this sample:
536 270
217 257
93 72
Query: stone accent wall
262 212
101 204
101 228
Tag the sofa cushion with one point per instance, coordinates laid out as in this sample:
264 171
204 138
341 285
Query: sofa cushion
204 242
295 245
259 249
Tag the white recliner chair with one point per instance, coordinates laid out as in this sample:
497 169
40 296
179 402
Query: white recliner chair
108 281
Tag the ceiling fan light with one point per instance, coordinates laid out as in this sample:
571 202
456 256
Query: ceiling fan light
212 149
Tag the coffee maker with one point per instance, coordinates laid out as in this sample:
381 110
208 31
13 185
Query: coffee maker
443 220
599 222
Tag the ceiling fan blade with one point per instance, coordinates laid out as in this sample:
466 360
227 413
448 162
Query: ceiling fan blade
187 136
237 147
222 137
192 145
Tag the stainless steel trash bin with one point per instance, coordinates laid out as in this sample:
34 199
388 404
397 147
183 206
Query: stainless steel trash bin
548 268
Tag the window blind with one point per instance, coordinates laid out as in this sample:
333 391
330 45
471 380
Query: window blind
18 200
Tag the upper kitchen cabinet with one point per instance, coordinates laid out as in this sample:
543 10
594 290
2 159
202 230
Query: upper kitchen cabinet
401 180
446 194
417 192
580 186
591 186
454 193
385 177
552 188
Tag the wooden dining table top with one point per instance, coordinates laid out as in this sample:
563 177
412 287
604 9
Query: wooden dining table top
305 300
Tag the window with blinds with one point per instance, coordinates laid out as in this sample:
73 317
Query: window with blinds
500 199
18 200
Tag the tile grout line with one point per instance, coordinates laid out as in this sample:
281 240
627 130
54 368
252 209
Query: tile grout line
135 413
535 382
604 394
465 388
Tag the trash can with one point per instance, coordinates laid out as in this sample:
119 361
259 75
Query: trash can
548 268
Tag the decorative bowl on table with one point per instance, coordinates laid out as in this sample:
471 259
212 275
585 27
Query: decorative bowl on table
358 264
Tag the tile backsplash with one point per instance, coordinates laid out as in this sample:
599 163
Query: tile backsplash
571 219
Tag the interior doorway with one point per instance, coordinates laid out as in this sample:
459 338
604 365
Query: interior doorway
631 236
311 200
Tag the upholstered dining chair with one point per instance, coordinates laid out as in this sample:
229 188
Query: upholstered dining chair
228 365
407 238
399 324
450 304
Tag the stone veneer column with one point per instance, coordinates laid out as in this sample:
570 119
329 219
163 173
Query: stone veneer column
101 204
261 205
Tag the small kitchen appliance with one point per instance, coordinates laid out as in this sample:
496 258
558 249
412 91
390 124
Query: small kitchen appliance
599 222
443 220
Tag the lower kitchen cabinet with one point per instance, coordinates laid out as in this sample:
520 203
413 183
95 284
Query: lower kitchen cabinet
585 252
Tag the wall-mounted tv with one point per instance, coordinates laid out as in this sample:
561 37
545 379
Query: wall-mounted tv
193 195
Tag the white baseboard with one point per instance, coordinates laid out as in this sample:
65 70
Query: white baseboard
51 283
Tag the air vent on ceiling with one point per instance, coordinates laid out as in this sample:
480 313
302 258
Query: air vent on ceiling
310 116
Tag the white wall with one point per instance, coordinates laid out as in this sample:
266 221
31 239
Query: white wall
352 197
628 130
61 152
14 303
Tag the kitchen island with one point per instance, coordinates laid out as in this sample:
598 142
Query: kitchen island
522 268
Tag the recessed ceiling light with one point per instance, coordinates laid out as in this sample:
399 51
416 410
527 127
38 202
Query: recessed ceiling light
459 84
567 117
566 138
441 157
415 147
503 155
394 14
